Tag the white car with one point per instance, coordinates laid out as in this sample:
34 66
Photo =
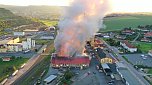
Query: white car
144 58
100 71
142 55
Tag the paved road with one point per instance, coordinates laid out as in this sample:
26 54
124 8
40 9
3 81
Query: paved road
31 63
136 59
136 37
134 72
18 54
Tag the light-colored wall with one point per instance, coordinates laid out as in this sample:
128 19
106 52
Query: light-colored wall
129 49
3 50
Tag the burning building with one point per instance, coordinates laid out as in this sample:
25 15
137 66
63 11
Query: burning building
65 61
79 24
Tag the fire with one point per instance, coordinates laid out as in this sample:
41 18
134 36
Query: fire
79 18
79 25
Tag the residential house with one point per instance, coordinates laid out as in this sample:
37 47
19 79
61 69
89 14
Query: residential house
128 46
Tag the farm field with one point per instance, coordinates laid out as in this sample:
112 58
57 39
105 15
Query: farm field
118 23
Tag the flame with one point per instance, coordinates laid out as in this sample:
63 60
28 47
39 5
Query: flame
79 26
79 18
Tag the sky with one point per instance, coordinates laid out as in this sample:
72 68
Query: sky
117 5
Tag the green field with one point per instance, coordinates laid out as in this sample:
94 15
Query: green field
144 47
118 23
42 42
8 67
49 23
150 71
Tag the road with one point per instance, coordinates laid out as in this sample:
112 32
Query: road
18 54
136 59
134 72
26 70
136 37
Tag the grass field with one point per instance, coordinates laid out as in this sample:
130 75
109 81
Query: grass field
49 23
6 66
144 47
40 42
118 23
150 71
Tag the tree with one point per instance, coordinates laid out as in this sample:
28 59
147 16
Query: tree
68 75
13 57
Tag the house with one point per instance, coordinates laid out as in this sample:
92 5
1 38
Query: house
6 58
144 29
150 52
148 34
125 44
145 40
122 37
98 43
127 31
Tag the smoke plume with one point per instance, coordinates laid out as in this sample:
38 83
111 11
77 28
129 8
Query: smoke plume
79 23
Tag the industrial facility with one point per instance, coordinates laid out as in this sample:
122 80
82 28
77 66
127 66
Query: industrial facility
12 44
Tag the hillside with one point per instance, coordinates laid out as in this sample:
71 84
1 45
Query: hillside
114 21
41 12
9 20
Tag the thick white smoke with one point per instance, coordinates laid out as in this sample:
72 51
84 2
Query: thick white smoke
79 23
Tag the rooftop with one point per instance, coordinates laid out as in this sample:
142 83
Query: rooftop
128 44
148 34
50 78
100 53
70 60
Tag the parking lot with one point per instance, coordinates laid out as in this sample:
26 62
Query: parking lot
21 54
137 59
18 54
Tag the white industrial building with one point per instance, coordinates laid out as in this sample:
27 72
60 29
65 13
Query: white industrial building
19 33
28 44
49 79
128 46
12 44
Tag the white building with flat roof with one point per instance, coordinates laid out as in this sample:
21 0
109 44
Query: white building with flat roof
19 33
49 79
11 44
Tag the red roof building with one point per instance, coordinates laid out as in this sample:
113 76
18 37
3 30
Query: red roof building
70 62
98 43
128 46
148 34
128 32
6 59
145 40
